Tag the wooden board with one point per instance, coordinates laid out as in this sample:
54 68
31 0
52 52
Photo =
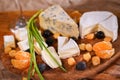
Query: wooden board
8 18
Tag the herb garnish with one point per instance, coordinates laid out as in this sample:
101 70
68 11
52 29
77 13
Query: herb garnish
33 33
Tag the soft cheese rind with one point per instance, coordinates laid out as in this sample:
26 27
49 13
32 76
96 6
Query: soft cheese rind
47 58
99 21
67 48
57 20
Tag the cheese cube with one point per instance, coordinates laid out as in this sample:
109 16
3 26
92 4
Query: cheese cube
23 45
58 21
21 34
9 41
99 21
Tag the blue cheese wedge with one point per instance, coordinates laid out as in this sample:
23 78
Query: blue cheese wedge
9 41
99 21
67 48
58 21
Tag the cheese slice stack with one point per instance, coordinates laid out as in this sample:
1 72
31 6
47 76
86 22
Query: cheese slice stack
99 21
67 48
58 21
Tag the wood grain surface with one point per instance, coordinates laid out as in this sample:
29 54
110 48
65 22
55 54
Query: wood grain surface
8 19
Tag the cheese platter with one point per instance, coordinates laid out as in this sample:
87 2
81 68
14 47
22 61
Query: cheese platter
80 47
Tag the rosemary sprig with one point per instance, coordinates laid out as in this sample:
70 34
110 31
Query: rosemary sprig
33 32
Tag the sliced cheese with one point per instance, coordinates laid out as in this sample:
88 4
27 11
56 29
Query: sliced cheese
23 45
58 21
99 21
68 49
62 41
47 58
9 41
21 34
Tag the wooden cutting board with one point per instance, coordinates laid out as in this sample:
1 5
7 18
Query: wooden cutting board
7 19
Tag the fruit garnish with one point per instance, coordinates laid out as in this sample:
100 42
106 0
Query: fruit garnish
71 61
21 55
87 56
95 60
100 35
76 16
7 49
82 46
103 45
47 33
90 36
56 35
49 41
108 39
42 67
105 54
12 53
20 64
81 65
22 60
88 47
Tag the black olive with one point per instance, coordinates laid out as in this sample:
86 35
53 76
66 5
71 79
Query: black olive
47 33
42 67
50 41
81 65
100 35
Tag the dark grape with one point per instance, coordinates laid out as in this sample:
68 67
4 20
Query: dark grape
47 33
81 65
100 35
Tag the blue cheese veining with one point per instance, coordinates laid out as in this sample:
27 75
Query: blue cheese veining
57 20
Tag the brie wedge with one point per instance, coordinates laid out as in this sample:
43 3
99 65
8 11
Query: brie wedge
47 58
9 41
58 21
67 48
99 21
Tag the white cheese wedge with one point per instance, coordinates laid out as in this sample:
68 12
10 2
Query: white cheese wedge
23 45
37 47
67 48
99 21
62 41
48 60
9 41
21 34
58 21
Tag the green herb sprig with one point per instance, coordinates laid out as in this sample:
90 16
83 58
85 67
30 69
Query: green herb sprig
33 32
31 45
